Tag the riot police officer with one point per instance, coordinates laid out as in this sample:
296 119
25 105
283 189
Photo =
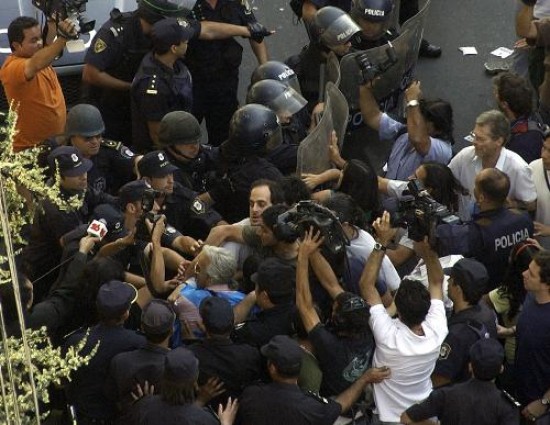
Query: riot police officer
214 66
253 132
331 31
286 103
119 46
113 163
374 18
162 83
180 137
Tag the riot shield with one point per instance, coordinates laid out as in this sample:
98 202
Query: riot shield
332 70
391 84
313 150
362 142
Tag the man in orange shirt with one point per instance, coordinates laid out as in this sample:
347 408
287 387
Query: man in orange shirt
31 83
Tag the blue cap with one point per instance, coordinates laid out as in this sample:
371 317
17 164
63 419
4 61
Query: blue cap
181 365
284 353
170 32
486 358
158 317
70 161
217 315
155 164
114 298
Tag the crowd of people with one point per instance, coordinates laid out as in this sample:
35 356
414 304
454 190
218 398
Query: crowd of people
217 286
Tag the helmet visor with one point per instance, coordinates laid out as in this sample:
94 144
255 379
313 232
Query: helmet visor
288 102
340 31
275 139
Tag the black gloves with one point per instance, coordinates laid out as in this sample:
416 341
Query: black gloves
258 31
368 70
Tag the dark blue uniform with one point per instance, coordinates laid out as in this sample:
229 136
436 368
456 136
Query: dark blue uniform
153 410
181 212
132 367
86 390
113 167
117 49
157 90
50 223
196 174
526 138
489 238
465 328
215 66
281 403
473 402
232 192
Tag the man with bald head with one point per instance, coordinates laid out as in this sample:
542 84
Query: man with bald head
493 231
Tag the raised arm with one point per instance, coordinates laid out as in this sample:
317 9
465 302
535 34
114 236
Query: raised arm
304 301
416 124
433 267
325 274
384 233
525 26
369 107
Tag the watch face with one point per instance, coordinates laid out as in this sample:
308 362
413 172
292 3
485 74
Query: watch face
545 401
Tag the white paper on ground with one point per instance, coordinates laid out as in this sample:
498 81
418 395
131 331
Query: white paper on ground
502 52
470 50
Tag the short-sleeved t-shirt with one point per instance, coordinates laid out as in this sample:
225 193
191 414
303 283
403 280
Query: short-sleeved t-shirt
41 105
404 159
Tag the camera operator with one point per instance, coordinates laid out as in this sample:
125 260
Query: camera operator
438 180
428 135
30 81
493 232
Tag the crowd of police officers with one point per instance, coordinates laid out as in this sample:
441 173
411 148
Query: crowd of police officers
196 186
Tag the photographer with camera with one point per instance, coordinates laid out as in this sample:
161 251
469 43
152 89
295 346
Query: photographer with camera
427 136
494 231
434 180
31 83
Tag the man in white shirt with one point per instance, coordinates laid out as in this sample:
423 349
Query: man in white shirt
410 344
490 134
541 177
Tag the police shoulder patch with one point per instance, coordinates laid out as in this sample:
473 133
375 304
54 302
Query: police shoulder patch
126 152
99 46
444 351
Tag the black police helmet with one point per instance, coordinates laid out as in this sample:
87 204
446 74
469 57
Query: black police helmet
276 96
372 10
154 10
334 26
278 71
254 130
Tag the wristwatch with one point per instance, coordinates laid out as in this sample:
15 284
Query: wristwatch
379 247
412 103
545 402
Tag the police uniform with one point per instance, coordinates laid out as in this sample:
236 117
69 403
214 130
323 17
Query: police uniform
285 156
214 65
526 138
232 192
473 402
265 325
465 328
196 174
126 369
361 43
307 66
282 403
157 90
489 239
187 214
43 251
113 167
237 365
154 410
86 390
117 49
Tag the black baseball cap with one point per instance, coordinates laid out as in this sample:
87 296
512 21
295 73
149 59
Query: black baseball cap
113 219
217 315
276 278
169 32
114 298
70 161
284 353
132 192
468 272
486 358
181 365
155 164
157 317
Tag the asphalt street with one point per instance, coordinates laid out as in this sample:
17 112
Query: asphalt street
462 80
